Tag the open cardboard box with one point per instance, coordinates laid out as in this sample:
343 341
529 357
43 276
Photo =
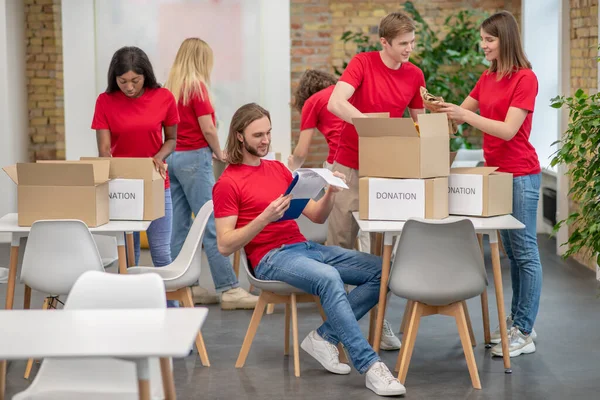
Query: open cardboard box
136 189
400 199
479 191
61 190
392 147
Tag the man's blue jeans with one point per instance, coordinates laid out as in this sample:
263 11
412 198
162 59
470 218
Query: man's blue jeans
192 180
322 271
522 249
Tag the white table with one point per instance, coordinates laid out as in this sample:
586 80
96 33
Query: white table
9 224
135 334
483 226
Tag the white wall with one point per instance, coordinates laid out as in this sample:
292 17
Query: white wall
13 99
250 39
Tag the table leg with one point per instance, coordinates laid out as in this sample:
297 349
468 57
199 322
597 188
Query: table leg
2 379
500 299
121 253
12 273
143 375
167 379
383 289
130 252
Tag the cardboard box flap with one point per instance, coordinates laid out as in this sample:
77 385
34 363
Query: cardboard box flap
377 127
485 171
101 167
378 115
130 168
55 174
11 171
433 125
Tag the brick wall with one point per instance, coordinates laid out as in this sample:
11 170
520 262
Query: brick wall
318 24
584 67
44 71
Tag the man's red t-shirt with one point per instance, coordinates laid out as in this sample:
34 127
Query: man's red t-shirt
189 133
136 124
517 155
377 89
316 115
246 191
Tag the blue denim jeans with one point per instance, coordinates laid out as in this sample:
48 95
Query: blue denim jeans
522 249
192 181
322 271
159 235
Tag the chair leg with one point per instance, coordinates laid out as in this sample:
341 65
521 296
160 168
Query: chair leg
30 361
469 326
461 323
407 310
167 378
188 302
252 328
286 350
409 342
270 308
295 335
372 323
486 317
27 298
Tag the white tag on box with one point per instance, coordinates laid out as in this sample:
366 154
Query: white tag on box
396 199
126 199
465 194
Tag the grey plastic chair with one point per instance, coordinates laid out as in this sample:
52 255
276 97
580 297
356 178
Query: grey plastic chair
276 292
438 266
185 270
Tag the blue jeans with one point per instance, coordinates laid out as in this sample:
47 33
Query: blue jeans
522 249
192 181
322 271
159 235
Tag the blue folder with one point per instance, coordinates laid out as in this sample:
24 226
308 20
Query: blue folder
296 205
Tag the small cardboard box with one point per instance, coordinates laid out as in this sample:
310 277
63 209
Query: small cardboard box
392 147
61 190
129 198
400 199
479 191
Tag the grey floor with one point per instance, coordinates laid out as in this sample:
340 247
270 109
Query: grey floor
565 365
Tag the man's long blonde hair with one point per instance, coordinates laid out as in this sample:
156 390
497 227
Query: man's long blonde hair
191 68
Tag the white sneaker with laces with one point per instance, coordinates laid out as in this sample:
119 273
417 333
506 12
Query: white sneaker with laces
517 344
495 337
389 341
325 353
381 381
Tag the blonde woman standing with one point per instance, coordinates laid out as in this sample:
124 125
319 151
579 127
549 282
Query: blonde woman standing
190 168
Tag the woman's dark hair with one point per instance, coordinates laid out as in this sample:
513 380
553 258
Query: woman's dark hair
311 82
127 59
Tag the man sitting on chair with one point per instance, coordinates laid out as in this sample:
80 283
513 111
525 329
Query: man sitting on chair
248 203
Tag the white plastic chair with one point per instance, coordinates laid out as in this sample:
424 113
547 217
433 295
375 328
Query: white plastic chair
101 378
58 252
107 247
468 158
184 271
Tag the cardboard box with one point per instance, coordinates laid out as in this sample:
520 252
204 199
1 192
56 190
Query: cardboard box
127 199
479 191
61 190
392 147
400 199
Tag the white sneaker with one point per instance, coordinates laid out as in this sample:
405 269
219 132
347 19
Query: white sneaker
380 380
201 295
389 341
517 344
238 299
325 353
495 337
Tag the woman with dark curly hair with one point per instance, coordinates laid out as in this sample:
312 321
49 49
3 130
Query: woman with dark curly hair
311 99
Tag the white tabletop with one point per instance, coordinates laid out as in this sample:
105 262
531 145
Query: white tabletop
480 223
131 333
9 223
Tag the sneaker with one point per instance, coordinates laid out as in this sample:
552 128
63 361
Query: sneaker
325 353
517 344
380 380
203 296
495 338
389 341
238 299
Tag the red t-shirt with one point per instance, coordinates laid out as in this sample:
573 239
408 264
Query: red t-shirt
377 89
136 125
246 191
316 115
517 155
189 133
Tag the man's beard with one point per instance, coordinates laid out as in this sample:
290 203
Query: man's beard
252 150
